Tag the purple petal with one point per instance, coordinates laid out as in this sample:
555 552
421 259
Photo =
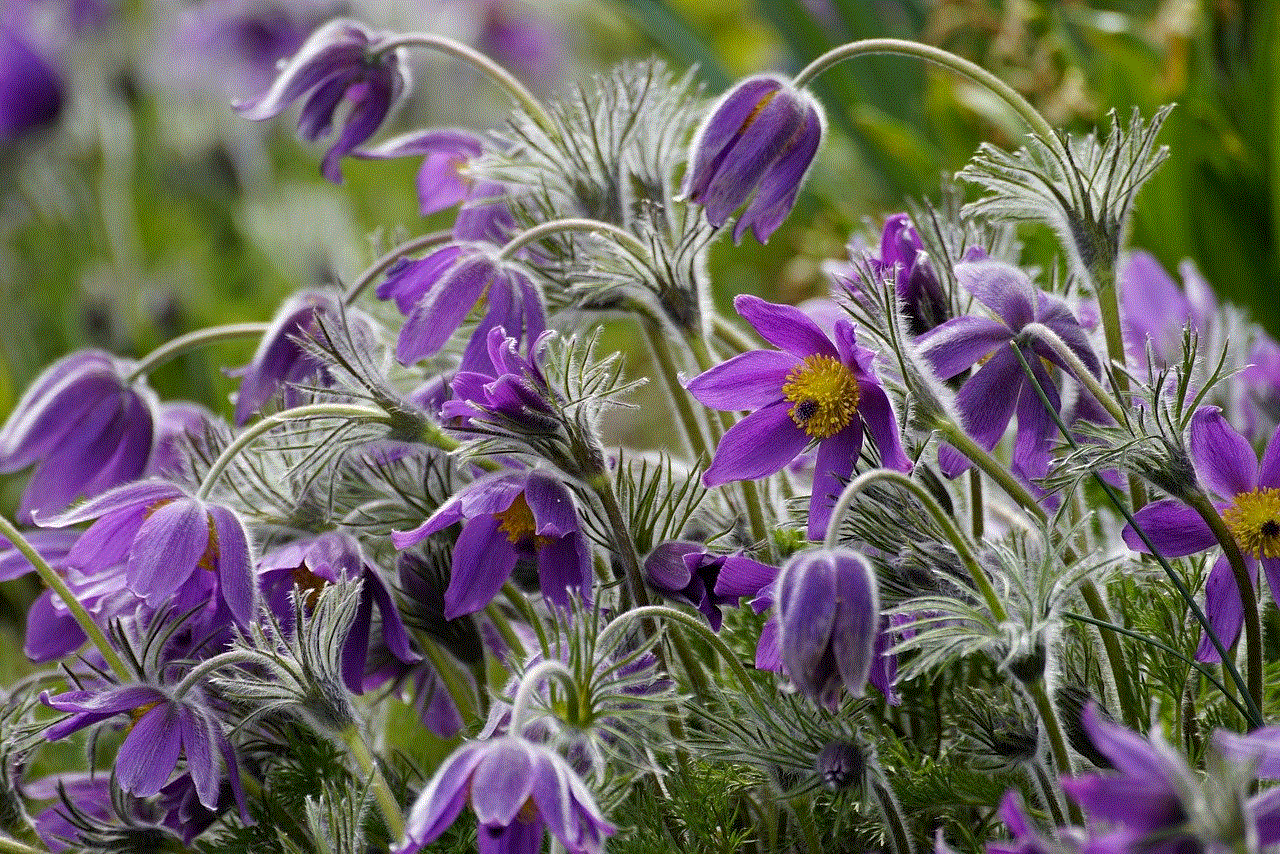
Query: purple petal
785 327
806 606
987 399
380 91
51 633
439 314
1036 427
1136 803
758 445
836 458
666 568
1223 608
1128 751
1224 459
112 701
200 745
442 800
742 576
334 47
877 414
502 782
857 622
131 494
564 565
747 381
768 655
552 505
150 752
759 145
1001 287
782 180
1269 468
1055 314
1259 749
960 343
236 580
723 128
1173 528
519 837
409 280
167 549
482 563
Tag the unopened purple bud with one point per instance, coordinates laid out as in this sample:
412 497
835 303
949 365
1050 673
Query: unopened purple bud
841 764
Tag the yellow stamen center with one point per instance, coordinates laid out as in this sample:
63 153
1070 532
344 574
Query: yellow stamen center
1254 520
518 524
824 394
138 713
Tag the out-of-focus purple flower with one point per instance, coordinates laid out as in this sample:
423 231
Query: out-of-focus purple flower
518 38
517 789
330 558
446 285
485 215
164 728
163 536
809 390
1246 493
178 423
688 572
282 361
340 62
441 182
999 388
828 606
507 517
31 90
754 149
85 427
1153 308
232 48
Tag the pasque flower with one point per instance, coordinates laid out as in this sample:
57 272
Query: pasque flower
754 149
828 608
687 571
340 62
282 360
84 425
999 388
812 390
517 789
31 91
1246 493
504 518
445 153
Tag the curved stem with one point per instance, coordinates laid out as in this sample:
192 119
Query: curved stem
209 665
56 583
451 676
940 517
1078 368
494 71
192 340
731 336
531 681
649 612
558 226
266 425
937 56
955 436
891 811
680 398
384 261
9 845
368 763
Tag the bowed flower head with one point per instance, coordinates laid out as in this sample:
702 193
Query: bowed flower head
282 360
517 788
755 149
812 390
341 61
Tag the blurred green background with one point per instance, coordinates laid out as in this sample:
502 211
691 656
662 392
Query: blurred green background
150 208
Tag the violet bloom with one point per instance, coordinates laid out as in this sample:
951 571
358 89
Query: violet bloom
445 286
441 182
85 425
1246 494
282 361
812 390
163 536
507 517
178 424
688 572
340 62
754 149
828 606
31 90
517 789
902 259
999 388
486 215
514 392
1154 309
164 728
335 558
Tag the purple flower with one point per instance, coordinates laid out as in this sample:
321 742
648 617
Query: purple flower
517 789
1155 309
341 61
810 390
31 91
163 536
443 288
441 182
901 260
989 398
178 424
282 360
518 38
754 149
513 392
828 607
164 728
85 427
1247 495
485 215
509 516
688 572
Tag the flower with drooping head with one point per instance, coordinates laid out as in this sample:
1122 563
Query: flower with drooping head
506 517
282 361
828 607
754 149
999 388
688 572
441 183
336 558
517 789
902 261
31 91
86 426
812 390
512 394
340 62
167 541
1246 493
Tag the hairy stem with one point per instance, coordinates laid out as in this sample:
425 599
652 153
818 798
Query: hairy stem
368 763
191 341
381 263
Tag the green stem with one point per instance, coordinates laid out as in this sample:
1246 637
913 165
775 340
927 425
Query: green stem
693 426
531 681
803 811
1040 779
56 583
1057 743
891 811
379 265
955 436
950 61
1079 370
559 226
191 341
940 517
387 803
494 71
521 604
298 413
1097 606
977 511
509 636
13 846
452 679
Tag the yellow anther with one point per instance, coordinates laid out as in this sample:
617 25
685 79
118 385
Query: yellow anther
1254 520
824 394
